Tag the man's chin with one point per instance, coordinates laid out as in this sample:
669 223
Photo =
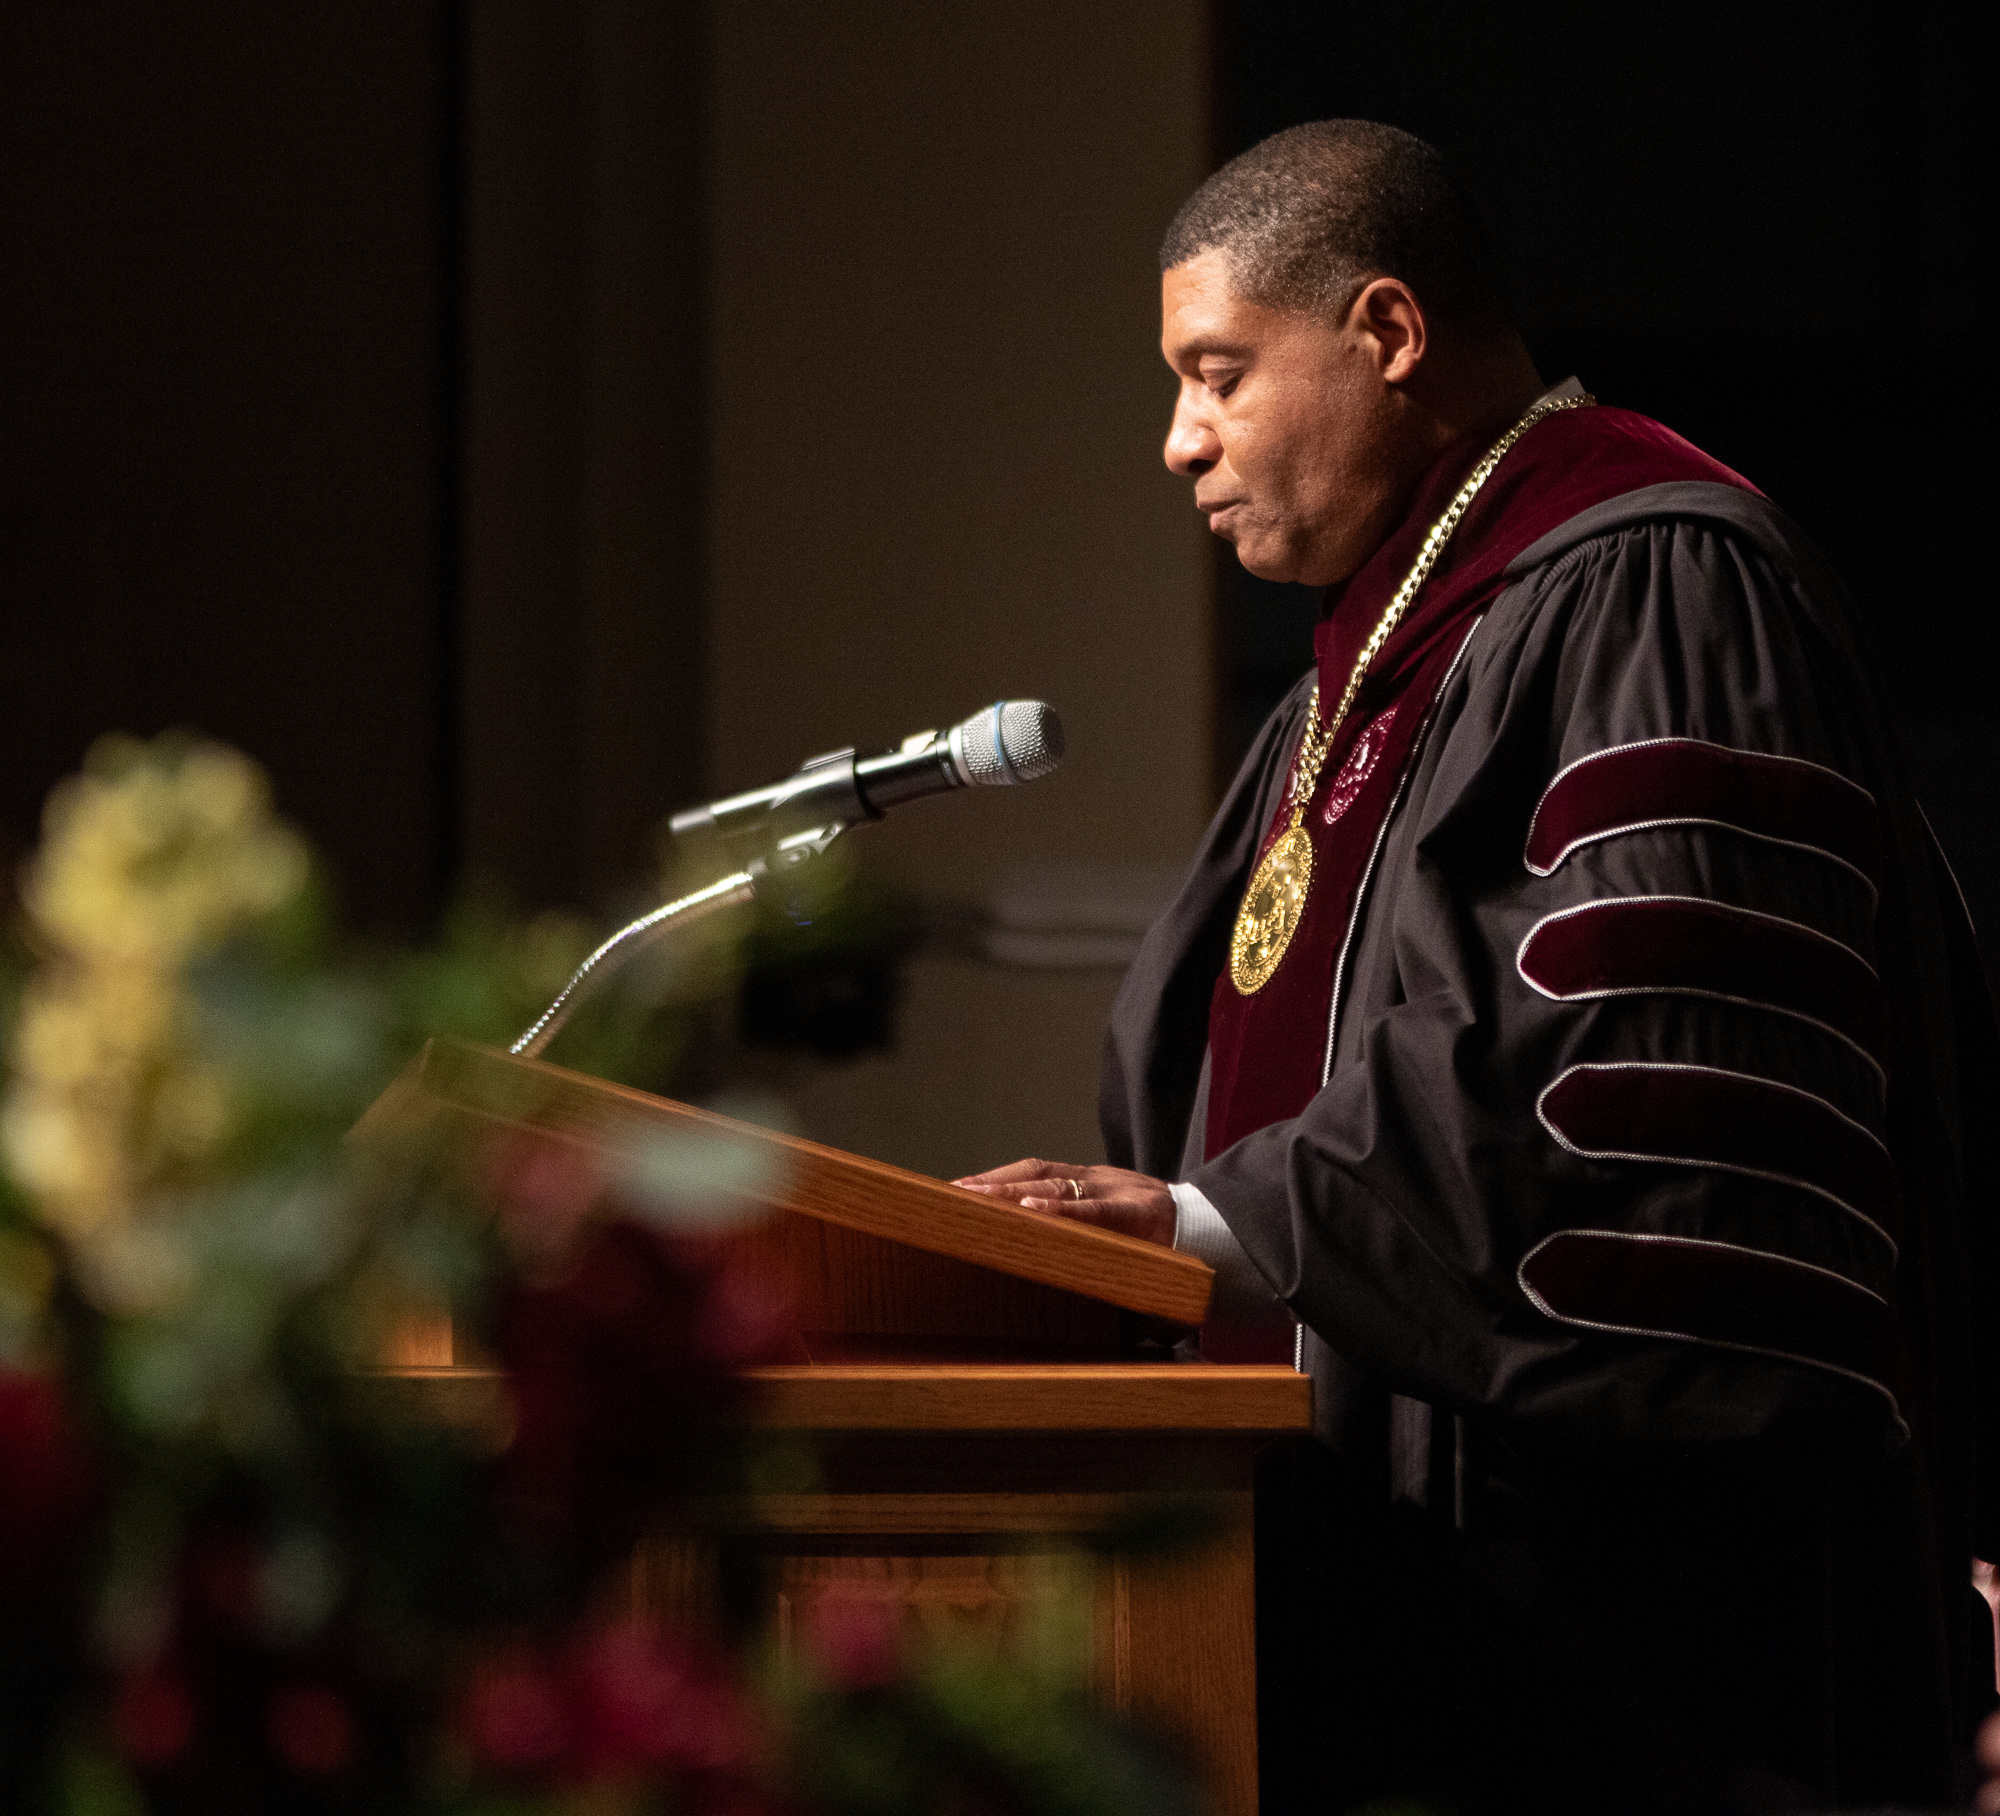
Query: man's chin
1266 564
1267 556
1287 563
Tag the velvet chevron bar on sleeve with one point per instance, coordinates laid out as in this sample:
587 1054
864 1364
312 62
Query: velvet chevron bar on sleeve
1687 782
1689 946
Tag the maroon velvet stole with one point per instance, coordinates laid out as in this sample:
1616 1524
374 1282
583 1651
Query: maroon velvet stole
1267 1050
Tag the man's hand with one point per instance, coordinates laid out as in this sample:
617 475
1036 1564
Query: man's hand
1131 1203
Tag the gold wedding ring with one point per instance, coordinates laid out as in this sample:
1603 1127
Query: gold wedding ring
1076 1190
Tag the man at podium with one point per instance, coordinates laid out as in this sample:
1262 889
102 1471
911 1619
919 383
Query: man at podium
1570 1029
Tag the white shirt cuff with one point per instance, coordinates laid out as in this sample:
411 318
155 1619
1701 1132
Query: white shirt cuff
1241 1295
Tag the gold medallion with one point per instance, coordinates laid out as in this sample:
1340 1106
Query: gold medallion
1276 898
1271 909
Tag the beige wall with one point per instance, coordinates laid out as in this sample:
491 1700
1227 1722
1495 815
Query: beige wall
935 414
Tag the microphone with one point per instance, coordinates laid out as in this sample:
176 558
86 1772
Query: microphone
1010 741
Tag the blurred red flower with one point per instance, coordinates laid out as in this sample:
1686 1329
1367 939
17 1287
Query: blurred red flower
747 1316
45 1487
617 1703
653 1700
310 1729
857 1642
153 1719
543 1192
225 1573
516 1717
614 1382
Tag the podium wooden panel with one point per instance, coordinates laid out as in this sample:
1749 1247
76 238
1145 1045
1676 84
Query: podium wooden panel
963 1373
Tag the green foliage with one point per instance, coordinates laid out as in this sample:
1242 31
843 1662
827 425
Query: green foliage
247 1567
490 974
972 1733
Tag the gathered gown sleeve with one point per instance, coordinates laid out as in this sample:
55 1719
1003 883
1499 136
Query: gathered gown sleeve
1604 1144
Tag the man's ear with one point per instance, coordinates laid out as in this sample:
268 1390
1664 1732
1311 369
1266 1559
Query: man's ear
1391 324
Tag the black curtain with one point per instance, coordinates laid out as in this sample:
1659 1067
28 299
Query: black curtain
1768 227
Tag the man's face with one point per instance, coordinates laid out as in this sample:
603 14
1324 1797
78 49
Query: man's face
1285 425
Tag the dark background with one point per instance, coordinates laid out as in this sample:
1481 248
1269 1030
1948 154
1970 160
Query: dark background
342 352
1768 226
345 353
227 364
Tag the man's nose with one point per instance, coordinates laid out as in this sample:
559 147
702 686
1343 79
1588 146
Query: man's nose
1192 447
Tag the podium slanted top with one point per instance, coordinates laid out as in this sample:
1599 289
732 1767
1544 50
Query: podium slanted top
459 1081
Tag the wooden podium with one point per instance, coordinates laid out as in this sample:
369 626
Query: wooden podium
962 1369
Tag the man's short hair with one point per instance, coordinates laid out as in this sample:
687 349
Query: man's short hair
1314 213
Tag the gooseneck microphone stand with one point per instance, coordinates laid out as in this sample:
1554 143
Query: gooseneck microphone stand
794 821
737 890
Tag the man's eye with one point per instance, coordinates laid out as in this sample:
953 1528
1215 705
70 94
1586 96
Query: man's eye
1220 384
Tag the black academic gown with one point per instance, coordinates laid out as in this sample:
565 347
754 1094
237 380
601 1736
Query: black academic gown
1676 1514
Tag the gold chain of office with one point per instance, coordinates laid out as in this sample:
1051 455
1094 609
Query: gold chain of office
1275 902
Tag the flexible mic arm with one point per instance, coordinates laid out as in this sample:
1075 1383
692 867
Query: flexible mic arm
737 890
795 820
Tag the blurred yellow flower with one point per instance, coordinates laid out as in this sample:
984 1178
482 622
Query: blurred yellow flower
68 1156
159 852
154 856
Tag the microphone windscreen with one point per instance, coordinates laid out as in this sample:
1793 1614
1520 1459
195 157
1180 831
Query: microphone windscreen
1013 741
